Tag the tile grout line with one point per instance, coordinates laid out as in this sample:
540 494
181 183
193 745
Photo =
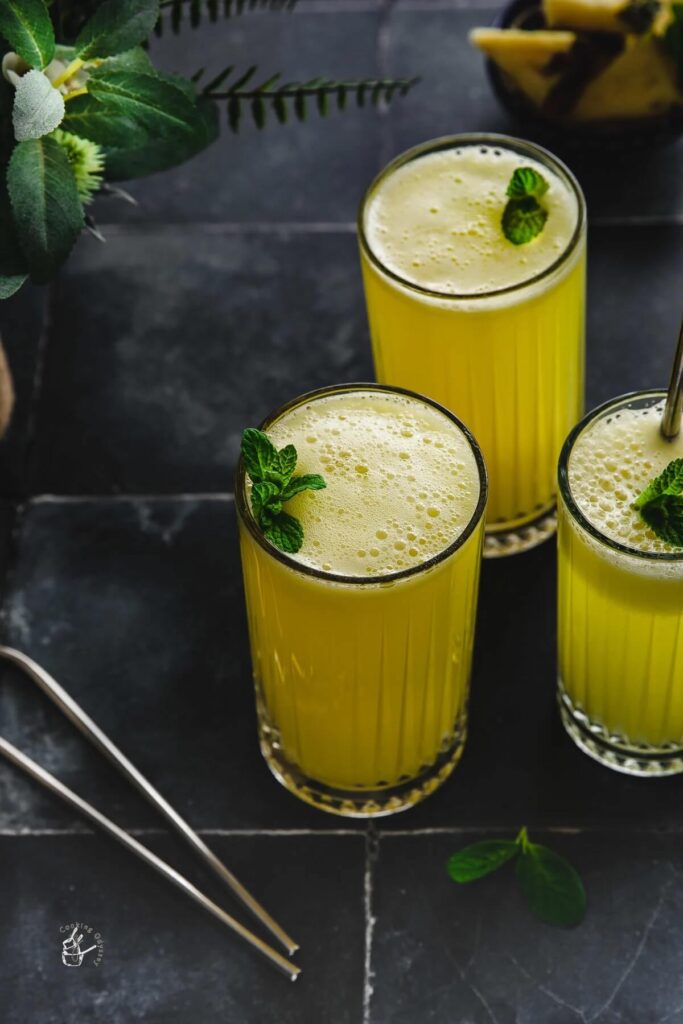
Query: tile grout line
122 499
275 833
372 840
383 50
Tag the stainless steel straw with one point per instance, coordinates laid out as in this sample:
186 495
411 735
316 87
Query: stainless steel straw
68 706
55 786
673 410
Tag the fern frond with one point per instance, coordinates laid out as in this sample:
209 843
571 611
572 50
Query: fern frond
176 12
241 94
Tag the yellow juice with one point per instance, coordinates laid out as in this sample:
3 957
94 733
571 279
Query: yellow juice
620 594
362 642
492 330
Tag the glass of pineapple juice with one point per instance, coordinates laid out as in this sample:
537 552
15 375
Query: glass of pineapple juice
620 593
492 330
361 643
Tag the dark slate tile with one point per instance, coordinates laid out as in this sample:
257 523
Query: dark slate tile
21 326
474 953
164 960
167 344
137 610
315 171
634 308
455 96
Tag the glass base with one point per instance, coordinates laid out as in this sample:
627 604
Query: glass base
614 750
361 802
500 541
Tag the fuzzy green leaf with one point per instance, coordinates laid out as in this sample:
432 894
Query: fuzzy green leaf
47 211
305 482
116 25
551 885
123 163
26 26
10 285
38 107
287 457
479 859
285 532
163 110
669 481
265 501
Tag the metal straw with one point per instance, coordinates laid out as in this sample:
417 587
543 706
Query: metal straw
68 706
673 410
54 785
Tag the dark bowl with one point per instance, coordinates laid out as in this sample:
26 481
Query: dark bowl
634 133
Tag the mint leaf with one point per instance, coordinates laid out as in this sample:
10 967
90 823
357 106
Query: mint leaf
480 859
523 220
661 504
673 40
26 26
285 532
259 453
287 462
551 885
307 482
527 182
152 103
271 472
116 25
669 481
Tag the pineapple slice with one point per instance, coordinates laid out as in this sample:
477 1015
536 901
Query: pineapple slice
620 16
640 82
528 57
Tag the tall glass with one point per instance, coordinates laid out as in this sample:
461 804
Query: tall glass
362 681
620 624
509 361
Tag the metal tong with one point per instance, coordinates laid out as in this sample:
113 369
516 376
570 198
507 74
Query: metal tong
71 710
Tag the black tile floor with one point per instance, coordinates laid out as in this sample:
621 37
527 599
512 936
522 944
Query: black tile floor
231 287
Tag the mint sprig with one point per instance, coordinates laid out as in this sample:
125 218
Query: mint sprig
272 475
523 217
552 887
661 504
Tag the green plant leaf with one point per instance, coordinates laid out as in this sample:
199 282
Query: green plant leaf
551 886
265 501
135 59
480 859
38 107
13 263
287 457
48 214
305 482
10 285
26 26
523 220
285 532
162 109
116 25
526 182
91 119
125 163
661 504
259 453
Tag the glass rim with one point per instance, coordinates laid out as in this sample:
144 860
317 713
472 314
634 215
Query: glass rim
473 139
245 513
565 489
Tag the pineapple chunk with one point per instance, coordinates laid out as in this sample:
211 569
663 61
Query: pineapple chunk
525 56
639 82
600 15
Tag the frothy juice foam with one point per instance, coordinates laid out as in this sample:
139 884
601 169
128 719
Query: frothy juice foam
621 614
500 338
402 481
362 684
